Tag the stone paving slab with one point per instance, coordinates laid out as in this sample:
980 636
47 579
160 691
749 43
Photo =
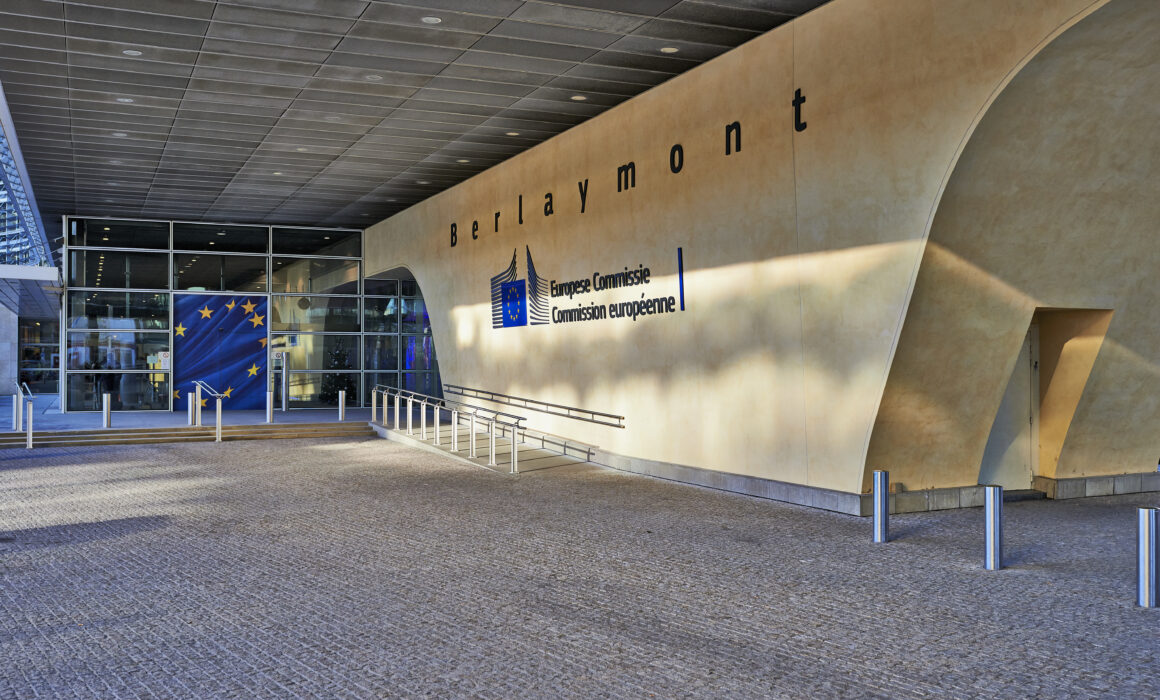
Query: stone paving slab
361 568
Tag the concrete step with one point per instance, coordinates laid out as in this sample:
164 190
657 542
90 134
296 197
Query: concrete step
150 436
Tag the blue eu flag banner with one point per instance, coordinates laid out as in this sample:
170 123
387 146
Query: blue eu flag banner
515 303
220 340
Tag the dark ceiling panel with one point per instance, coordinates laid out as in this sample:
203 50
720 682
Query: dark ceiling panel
188 108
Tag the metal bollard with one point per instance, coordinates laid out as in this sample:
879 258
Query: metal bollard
285 389
435 415
218 433
993 529
17 413
410 415
375 406
197 408
491 443
454 430
341 405
423 418
397 418
515 449
106 411
189 406
1146 585
269 407
471 437
28 421
881 506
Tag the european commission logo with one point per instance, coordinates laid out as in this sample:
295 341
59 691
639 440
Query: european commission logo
519 302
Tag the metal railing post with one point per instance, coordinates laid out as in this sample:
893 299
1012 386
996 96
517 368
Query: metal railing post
881 506
1146 588
197 407
993 528
435 416
285 388
189 406
471 437
515 450
374 405
423 418
454 430
17 412
218 432
491 443
106 410
341 405
410 415
397 416
269 407
28 423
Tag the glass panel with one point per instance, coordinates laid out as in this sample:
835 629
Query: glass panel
317 314
116 350
423 383
417 352
119 234
371 380
381 315
318 352
305 276
415 318
219 273
41 381
39 344
381 352
223 239
112 268
118 310
386 288
309 241
321 390
409 288
128 391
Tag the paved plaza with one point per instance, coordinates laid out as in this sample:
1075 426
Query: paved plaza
336 568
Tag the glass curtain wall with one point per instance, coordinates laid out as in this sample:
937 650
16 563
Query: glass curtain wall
328 329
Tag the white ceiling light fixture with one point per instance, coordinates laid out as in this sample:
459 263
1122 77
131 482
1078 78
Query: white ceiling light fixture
373 76
422 182
513 133
579 98
300 149
669 49
125 100
462 160
119 134
131 52
431 20
277 172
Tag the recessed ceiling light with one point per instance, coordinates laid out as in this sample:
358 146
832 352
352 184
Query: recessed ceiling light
431 20
125 100
106 228
669 49
119 134
326 238
301 149
212 242
392 199
221 233
114 162
373 76
422 182
513 133
462 160
131 52
277 172
579 98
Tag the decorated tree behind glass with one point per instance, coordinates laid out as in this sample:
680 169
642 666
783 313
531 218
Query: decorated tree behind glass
338 359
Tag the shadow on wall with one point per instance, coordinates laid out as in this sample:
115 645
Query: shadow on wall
1051 206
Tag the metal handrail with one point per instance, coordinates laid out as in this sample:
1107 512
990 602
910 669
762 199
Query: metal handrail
208 389
25 391
486 413
563 443
554 409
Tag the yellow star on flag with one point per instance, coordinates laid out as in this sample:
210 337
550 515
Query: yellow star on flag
177 393
249 306
180 330
226 393
205 313
253 370
256 320
203 402
231 305
262 341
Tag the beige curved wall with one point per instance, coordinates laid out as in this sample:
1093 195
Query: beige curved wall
800 250
1053 205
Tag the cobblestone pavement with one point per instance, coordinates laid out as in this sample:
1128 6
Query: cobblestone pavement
337 568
